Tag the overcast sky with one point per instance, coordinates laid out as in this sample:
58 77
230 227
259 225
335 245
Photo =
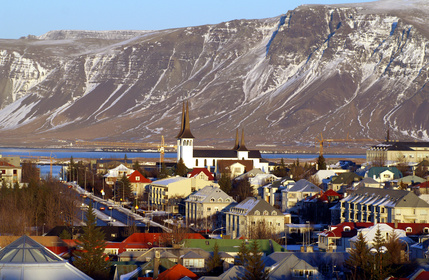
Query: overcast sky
36 17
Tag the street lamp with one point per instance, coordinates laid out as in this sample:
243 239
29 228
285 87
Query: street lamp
123 189
379 253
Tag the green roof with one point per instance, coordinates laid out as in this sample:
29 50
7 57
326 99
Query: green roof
267 246
377 170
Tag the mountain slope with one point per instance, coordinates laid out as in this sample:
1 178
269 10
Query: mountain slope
358 69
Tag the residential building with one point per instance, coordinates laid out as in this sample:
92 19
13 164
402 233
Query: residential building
201 173
369 183
316 208
291 267
9 173
392 152
383 206
234 167
117 173
298 192
384 174
251 213
138 183
161 192
343 180
369 234
337 237
193 158
204 208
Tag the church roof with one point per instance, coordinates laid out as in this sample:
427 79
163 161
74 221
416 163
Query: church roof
224 154
185 130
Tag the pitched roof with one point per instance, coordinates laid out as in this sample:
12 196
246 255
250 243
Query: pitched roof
386 197
5 164
346 178
375 171
411 179
304 186
250 205
196 171
287 265
137 177
177 272
209 193
191 255
223 165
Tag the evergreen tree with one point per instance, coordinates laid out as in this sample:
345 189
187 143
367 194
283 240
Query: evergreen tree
214 264
90 259
124 192
181 169
281 170
163 173
255 268
381 269
225 183
242 255
321 163
359 259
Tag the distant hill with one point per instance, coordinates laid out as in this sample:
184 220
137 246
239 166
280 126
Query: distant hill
333 69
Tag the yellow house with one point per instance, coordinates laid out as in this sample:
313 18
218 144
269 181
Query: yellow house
161 192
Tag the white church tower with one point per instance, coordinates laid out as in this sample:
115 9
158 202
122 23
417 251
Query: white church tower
185 140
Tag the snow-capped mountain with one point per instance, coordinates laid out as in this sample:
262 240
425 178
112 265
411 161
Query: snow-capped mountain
355 69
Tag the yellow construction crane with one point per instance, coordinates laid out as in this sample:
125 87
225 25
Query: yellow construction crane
321 141
161 150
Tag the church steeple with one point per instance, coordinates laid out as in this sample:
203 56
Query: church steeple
242 145
182 121
236 145
185 130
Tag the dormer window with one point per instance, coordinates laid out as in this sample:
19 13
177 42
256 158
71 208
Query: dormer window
212 199
409 229
220 200
227 200
273 213
346 228
265 213
257 213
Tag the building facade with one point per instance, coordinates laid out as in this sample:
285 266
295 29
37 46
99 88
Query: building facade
205 206
393 152
383 206
164 193
251 213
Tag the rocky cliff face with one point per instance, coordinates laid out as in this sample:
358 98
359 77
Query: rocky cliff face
344 69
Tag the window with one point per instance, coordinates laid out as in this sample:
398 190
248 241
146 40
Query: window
257 213
265 213
347 229
212 199
408 229
227 200
196 162
209 209
137 178
426 230
220 199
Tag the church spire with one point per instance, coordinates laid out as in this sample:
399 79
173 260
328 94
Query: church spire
236 145
186 128
242 146
182 120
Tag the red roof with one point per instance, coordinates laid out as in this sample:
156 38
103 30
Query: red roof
423 185
137 175
422 276
345 229
176 272
5 163
338 231
196 171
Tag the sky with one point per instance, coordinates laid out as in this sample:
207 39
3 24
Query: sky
36 17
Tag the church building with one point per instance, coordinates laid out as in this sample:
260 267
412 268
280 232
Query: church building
218 161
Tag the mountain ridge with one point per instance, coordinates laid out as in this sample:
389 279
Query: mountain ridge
351 69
